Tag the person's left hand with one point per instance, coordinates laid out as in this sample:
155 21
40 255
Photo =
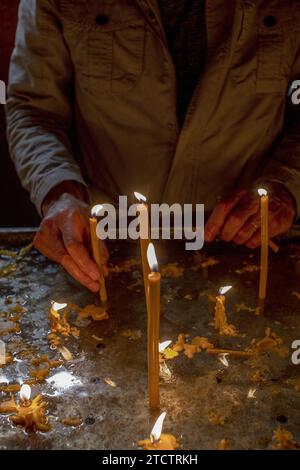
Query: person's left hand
237 218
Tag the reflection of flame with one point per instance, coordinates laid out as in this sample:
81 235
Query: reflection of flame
25 392
56 306
157 428
4 379
151 257
163 346
63 380
224 360
223 290
164 371
110 382
262 192
251 393
96 210
140 197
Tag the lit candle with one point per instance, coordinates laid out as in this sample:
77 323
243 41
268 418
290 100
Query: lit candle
98 255
159 441
55 308
264 216
165 352
220 312
221 323
143 218
164 345
153 327
31 414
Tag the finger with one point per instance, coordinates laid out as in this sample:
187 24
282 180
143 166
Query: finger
255 240
73 269
281 217
248 230
238 218
279 222
274 229
73 237
50 251
219 215
48 242
81 257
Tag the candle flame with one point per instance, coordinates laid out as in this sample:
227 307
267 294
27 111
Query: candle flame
157 428
25 392
223 290
57 306
262 192
223 359
96 210
163 346
151 257
140 197
251 393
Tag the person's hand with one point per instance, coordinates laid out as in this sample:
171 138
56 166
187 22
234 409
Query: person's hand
64 237
237 218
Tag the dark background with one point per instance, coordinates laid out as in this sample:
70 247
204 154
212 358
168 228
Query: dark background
16 209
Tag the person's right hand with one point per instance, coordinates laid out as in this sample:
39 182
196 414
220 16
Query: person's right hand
64 237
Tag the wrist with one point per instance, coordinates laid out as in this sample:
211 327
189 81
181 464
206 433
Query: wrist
72 188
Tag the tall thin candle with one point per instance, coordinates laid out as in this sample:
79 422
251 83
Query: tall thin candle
264 214
153 328
142 210
98 257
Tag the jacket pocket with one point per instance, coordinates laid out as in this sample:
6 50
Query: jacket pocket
263 53
115 57
270 76
106 42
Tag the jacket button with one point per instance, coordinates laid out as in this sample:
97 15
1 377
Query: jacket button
102 19
270 21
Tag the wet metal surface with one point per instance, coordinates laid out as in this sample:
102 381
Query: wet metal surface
116 417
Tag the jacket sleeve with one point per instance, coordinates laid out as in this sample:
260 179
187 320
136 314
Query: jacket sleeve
284 165
38 109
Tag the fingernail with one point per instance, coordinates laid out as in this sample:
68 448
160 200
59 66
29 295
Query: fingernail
93 287
94 275
225 237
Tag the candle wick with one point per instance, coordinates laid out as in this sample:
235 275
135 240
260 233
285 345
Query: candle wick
26 403
155 268
153 439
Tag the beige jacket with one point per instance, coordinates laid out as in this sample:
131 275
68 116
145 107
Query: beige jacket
92 98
